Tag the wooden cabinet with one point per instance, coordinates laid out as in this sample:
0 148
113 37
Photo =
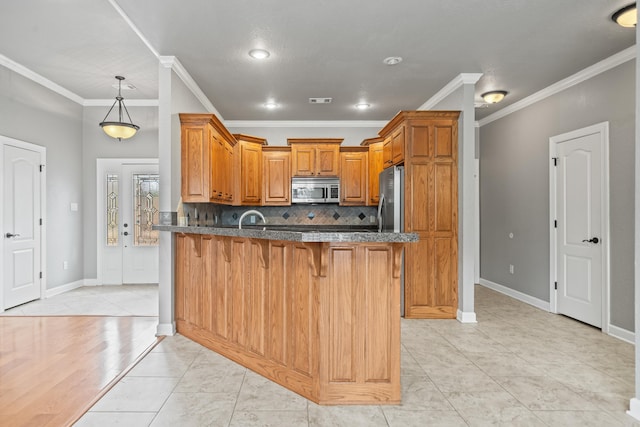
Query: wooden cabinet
206 159
376 165
320 318
315 157
431 210
394 146
247 161
354 182
276 167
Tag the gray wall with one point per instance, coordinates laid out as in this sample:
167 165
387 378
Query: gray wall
96 144
278 136
514 186
32 113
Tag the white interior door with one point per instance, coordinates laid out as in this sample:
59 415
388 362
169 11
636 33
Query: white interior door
581 228
21 226
127 208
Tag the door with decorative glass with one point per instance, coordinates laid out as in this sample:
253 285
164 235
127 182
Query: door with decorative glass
128 209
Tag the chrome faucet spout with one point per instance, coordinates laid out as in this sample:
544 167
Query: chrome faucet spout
250 212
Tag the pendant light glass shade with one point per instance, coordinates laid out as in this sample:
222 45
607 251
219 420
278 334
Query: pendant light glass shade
494 96
627 16
119 129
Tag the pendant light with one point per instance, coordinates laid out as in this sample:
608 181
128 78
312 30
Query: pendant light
627 16
119 129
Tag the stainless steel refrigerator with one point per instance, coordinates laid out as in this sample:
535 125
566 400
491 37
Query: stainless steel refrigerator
391 210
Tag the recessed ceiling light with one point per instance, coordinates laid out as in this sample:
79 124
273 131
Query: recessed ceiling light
627 16
392 60
259 53
362 106
270 105
494 96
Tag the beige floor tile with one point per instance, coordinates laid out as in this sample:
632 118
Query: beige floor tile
178 344
212 375
491 408
114 419
346 416
404 418
478 381
503 364
194 410
163 365
578 418
141 394
408 365
544 393
419 393
260 394
269 419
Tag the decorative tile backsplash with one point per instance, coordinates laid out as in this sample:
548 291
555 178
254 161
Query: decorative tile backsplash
210 214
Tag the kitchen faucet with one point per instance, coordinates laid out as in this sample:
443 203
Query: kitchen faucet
250 212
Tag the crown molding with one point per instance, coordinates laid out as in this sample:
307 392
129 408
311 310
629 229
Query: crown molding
135 29
579 77
449 88
305 123
177 67
129 102
37 78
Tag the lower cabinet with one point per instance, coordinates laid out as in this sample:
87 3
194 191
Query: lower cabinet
321 319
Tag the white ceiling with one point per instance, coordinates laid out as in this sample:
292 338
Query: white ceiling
321 48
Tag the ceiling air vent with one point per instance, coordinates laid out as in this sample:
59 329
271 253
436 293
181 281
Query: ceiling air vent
320 100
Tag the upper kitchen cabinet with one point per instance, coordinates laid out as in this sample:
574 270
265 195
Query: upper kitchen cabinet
276 181
207 159
354 167
376 165
247 161
315 157
394 143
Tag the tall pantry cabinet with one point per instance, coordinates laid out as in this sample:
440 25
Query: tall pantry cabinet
431 209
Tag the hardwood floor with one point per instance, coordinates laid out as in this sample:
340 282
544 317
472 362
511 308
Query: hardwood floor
53 369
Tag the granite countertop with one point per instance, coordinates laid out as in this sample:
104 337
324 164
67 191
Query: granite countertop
298 233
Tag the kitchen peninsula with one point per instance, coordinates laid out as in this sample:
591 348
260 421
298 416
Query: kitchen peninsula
317 311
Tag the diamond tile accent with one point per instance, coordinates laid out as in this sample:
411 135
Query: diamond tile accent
336 215
311 215
362 216
286 215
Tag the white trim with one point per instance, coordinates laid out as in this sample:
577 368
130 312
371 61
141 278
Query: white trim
603 130
634 408
449 88
129 102
622 334
63 288
166 329
466 317
543 305
135 29
177 67
35 77
92 282
5 140
305 123
579 77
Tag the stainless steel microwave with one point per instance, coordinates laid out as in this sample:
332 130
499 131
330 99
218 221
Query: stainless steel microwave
315 190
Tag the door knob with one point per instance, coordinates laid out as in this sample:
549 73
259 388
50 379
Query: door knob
593 240
10 235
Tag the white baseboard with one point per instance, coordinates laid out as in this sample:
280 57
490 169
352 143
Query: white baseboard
166 329
63 288
92 282
634 408
622 334
466 317
543 305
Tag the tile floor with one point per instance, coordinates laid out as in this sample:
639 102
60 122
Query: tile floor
518 366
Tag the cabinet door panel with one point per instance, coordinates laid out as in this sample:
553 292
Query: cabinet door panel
327 160
278 297
251 173
277 178
301 285
445 195
444 143
304 160
353 178
195 164
376 165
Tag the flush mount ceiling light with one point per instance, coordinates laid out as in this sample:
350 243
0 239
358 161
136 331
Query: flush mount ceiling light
362 106
494 96
627 16
119 129
270 105
392 60
259 54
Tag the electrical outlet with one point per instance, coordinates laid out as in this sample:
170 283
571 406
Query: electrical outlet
252 219
372 219
511 269
65 265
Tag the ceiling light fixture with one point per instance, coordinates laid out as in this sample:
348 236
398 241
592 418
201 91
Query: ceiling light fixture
362 106
627 16
494 96
259 54
392 60
270 105
119 130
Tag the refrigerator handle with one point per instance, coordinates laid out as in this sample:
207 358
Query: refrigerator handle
380 203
